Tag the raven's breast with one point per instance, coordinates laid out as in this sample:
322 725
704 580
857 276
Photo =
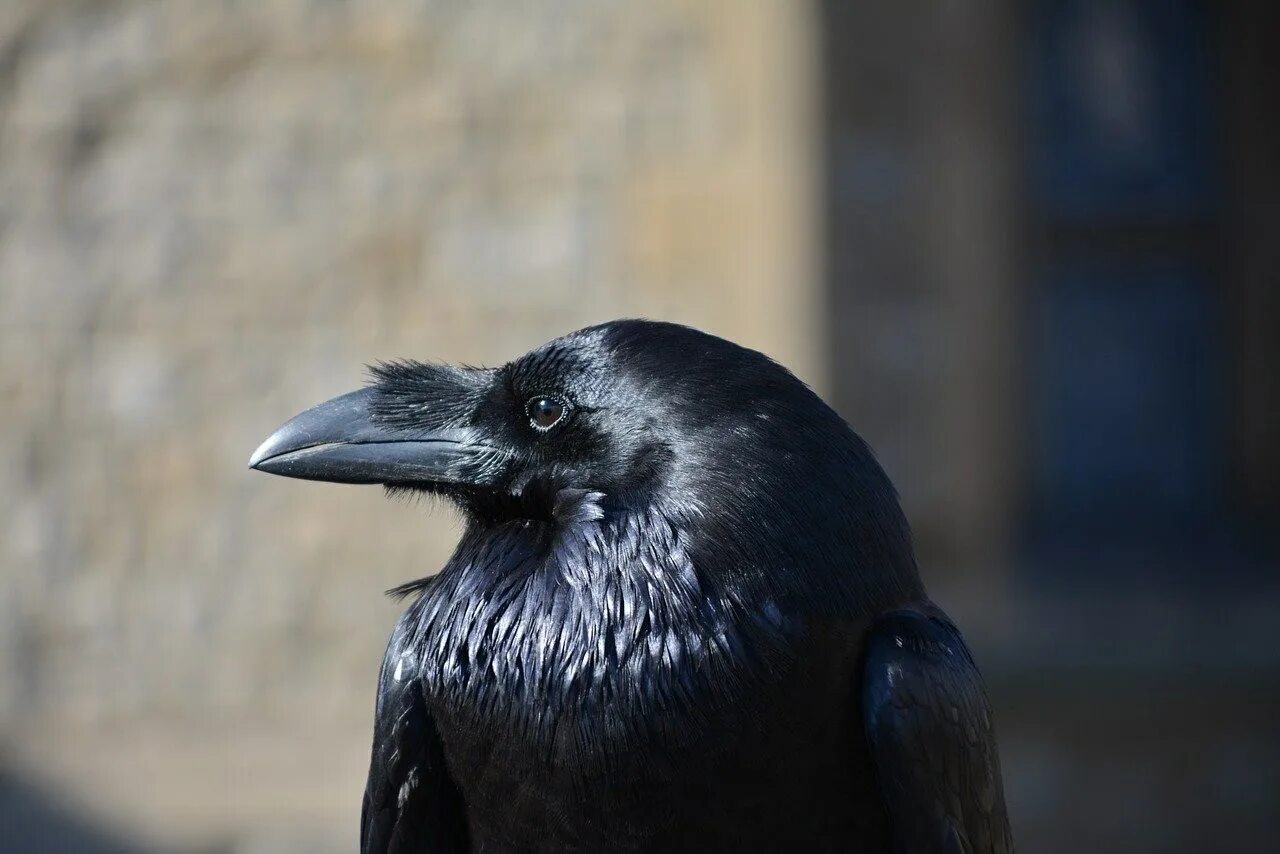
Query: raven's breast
779 766
593 691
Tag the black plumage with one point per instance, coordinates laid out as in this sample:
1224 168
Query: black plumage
684 613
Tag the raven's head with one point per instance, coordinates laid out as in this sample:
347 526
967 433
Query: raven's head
627 415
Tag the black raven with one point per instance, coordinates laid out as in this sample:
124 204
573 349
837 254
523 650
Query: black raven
684 613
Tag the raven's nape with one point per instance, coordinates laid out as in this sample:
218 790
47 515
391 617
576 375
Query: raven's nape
340 441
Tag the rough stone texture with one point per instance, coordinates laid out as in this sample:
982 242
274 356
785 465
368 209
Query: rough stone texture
211 214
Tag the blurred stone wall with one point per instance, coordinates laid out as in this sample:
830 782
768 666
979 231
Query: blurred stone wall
211 216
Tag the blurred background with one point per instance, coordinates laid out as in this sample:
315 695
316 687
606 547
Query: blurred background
1028 249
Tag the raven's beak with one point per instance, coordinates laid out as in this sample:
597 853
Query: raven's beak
340 441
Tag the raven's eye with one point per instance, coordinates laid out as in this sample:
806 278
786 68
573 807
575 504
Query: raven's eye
546 412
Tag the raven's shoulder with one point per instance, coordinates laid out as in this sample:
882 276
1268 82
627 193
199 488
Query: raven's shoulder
929 728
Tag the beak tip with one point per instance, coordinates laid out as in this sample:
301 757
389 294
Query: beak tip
263 452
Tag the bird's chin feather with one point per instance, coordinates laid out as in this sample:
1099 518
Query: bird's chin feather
536 502
413 493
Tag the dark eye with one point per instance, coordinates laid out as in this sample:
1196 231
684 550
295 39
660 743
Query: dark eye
546 412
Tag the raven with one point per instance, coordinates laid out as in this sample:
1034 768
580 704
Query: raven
684 613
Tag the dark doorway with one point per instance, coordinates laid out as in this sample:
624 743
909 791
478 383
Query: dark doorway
1137 353
1051 255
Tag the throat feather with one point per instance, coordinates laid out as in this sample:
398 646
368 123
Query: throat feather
599 630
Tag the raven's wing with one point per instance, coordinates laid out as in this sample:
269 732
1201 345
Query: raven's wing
410 803
929 729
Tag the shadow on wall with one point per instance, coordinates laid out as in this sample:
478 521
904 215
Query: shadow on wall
32 819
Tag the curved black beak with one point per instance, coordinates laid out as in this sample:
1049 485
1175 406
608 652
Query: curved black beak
339 441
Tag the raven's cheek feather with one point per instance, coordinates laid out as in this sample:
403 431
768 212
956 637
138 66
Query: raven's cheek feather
340 441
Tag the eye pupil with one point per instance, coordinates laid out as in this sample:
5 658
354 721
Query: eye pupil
545 412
